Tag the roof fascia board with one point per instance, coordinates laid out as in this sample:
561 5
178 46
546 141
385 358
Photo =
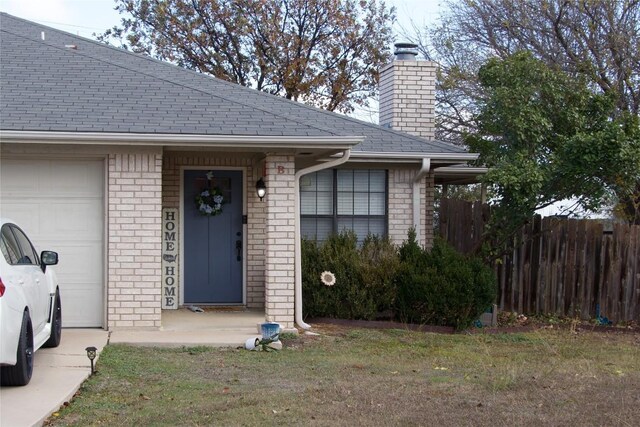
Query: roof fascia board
366 156
186 140
461 170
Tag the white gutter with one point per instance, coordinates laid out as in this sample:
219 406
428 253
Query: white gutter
370 155
297 247
415 186
460 170
180 140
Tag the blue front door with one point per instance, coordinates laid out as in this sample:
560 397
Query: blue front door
213 244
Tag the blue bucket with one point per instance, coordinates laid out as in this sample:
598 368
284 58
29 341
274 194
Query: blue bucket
270 331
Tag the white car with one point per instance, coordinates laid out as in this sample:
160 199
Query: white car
30 310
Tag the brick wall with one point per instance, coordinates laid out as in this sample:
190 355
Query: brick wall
134 240
173 161
401 206
280 239
429 200
407 97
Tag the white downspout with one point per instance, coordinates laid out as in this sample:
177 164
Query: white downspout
426 166
297 247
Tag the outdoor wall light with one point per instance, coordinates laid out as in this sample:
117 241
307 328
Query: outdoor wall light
91 354
261 189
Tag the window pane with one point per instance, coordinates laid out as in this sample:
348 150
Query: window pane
345 180
376 204
308 228
12 253
361 227
345 224
324 180
29 256
308 182
376 226
361 180
345 203
361 204
324 203
308 203
325 228
377 180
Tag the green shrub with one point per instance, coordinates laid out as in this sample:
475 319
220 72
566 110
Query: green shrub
365 285
437 287
442 286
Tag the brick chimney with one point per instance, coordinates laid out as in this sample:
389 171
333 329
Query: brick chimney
407 93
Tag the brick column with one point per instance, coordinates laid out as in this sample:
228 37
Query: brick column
279 240
134 236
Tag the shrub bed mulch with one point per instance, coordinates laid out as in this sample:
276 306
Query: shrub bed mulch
384 324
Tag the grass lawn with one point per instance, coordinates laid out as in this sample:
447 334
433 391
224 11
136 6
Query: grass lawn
370 377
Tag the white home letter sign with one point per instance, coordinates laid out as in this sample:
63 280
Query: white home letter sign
169 258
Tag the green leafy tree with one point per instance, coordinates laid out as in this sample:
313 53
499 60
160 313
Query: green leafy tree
548 137
594 40
322 52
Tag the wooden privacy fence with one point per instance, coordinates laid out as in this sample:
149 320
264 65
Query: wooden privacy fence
566 267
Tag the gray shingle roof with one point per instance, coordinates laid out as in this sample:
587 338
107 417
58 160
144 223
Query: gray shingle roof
46 86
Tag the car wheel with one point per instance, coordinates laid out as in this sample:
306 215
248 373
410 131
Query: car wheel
56 324
20 374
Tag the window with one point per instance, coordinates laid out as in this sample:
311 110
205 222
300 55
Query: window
16 247
29 254
334 200
9 246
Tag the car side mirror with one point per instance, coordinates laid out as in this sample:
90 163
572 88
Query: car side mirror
49 258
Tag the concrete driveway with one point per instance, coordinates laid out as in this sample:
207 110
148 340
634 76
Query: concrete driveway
57 375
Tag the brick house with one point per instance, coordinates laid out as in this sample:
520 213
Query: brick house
103 153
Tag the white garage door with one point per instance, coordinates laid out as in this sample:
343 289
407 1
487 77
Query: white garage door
60 205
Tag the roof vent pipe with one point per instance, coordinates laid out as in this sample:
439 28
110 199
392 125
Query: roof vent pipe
405 51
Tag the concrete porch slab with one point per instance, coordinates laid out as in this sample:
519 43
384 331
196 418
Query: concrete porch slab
213 327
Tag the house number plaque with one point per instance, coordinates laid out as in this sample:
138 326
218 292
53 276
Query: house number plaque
169 258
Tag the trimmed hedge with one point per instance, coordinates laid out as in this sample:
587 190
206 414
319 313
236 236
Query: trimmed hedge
377 280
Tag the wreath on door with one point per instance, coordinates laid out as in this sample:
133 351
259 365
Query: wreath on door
209 201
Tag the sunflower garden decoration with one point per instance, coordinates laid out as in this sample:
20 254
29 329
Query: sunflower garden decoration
209 201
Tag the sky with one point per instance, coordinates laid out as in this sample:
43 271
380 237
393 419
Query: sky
85 17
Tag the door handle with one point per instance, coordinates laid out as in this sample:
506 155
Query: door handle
239 250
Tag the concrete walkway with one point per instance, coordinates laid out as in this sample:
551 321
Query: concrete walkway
57 375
